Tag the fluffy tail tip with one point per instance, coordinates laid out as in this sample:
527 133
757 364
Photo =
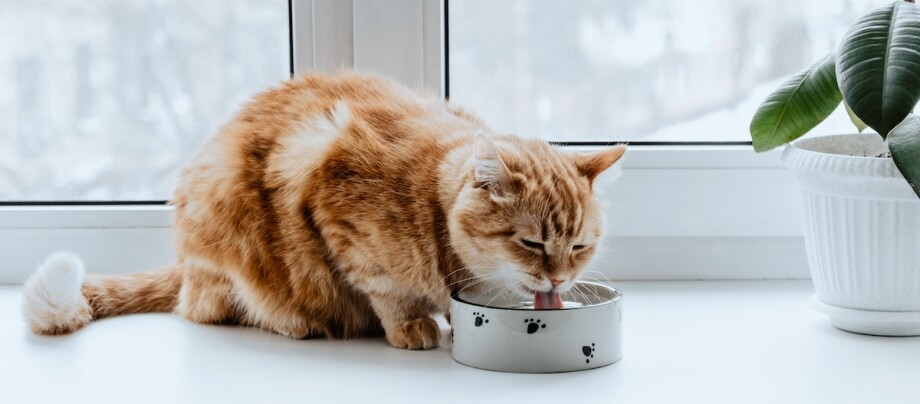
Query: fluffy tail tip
52 299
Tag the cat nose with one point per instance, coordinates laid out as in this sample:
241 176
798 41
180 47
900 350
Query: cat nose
556 282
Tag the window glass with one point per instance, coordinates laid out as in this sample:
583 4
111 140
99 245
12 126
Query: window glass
106 100
636 70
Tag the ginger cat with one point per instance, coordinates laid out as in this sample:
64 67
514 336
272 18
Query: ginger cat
346 206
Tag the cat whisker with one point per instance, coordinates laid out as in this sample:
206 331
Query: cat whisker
603 278
503 291
585 295
457 270
477 280
467 268
578 291
593 289
476 284
499 285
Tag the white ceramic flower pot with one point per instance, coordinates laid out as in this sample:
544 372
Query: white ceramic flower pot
862 233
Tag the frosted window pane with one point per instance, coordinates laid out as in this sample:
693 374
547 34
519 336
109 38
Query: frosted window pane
636 70
106 100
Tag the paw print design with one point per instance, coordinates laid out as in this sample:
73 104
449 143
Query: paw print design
480 319
588 351
533 325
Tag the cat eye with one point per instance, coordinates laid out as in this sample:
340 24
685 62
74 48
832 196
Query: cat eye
532 244
577 247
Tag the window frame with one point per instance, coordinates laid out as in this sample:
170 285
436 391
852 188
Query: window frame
680 210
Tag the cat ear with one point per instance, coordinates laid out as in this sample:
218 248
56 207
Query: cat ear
489 169
591 165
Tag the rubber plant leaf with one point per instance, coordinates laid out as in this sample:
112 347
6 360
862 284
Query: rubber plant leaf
858 123
797 106
904 143
878 65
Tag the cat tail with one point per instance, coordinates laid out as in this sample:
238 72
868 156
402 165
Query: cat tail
60 298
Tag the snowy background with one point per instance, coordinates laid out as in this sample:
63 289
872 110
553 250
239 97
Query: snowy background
637 70
106 100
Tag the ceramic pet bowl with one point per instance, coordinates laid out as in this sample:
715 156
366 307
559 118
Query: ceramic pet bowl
505 333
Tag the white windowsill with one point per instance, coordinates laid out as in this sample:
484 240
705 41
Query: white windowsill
687 342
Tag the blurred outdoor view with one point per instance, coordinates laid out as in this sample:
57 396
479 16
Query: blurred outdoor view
636 70
107 99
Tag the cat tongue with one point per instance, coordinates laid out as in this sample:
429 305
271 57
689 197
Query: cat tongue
547 300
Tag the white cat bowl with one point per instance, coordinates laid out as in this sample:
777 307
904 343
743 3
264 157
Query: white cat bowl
507 334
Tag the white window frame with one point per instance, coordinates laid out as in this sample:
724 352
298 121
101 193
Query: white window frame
676 212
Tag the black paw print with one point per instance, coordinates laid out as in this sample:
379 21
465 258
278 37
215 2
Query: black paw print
533 325
588 351
480 319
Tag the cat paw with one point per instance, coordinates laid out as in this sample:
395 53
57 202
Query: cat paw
297 330
419 333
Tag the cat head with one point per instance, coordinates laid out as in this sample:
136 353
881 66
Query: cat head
527 218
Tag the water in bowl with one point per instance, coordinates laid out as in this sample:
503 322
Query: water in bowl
565 305
582 295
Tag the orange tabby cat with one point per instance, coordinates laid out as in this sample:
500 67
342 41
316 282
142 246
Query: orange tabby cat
346 206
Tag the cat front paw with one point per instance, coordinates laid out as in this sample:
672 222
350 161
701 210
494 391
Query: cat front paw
419 333
295 329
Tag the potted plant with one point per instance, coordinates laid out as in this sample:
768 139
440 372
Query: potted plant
859 192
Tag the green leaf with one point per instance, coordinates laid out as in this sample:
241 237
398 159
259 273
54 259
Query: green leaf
904 143
858 123
797 106
878 65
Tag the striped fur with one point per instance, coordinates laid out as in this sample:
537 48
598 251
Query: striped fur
346 206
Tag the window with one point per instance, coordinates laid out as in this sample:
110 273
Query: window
659 71
106 100
677 212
